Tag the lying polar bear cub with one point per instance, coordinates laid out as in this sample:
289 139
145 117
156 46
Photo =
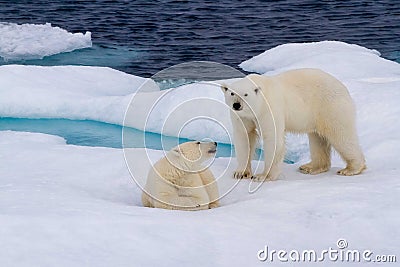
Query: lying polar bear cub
299 101
179 181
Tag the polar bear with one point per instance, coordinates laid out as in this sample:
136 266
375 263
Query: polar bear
298 101
180 181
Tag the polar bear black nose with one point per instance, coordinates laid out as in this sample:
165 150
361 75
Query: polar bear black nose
237 106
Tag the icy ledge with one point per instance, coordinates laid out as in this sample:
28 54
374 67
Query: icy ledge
344 61
103 94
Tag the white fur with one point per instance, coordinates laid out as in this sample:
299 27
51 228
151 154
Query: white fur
179 181
299 101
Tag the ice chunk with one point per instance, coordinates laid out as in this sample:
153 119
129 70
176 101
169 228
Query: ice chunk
35 41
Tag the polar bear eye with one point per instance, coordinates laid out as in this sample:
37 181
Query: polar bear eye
232 94
245 94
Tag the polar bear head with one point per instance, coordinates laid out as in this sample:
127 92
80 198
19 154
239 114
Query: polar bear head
190 156
244 96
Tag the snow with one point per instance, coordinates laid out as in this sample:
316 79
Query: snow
71 92
174 111
68 205
35 41
342 60
103 94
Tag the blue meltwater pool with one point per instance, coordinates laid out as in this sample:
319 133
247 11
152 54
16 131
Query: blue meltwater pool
94 133
100 134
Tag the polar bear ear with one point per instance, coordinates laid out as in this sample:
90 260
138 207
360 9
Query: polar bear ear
224 88
175 152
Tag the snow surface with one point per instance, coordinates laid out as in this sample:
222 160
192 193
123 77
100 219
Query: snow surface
64 205
342 60
191 111
71 92
35 41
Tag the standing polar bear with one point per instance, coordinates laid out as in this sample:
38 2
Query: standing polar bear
180 181
298 101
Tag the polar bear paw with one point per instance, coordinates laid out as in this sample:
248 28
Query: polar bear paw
240 174
349 171
262 177
310 169
213 205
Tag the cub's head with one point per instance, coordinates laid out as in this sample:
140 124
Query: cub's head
243 96
189 156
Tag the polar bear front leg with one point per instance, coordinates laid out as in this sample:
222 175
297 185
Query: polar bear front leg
273 157
197 199
273 135
191 201
244 143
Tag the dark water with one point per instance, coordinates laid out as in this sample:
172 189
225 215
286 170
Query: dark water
143 37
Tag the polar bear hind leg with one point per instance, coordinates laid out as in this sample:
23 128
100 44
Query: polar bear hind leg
350 151
146 201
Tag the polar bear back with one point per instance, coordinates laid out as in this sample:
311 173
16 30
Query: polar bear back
319 96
